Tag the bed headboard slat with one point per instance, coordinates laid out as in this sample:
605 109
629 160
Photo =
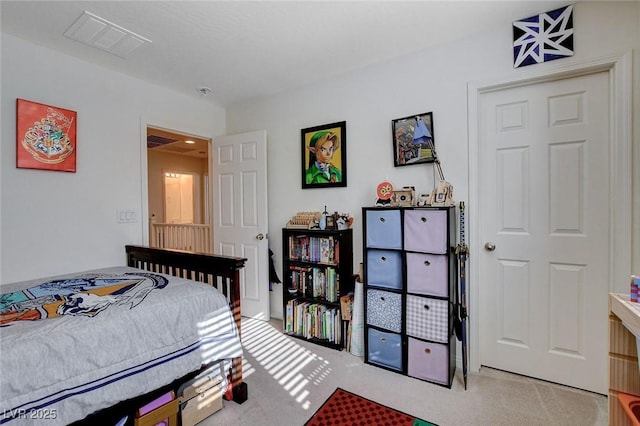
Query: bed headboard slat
195 266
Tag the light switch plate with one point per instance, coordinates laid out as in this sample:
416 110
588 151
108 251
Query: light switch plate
127 216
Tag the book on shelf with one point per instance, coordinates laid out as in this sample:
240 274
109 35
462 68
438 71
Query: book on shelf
307 248
288 323
315 282
333 286
313 320
326 250
299 278
300 318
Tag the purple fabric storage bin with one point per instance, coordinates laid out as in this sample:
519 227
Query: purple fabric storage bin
428 361
384 349
428 274
383 229
425 231
384 310
384 268
427 318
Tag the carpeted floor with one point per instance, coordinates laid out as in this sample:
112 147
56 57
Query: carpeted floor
344 408
289 379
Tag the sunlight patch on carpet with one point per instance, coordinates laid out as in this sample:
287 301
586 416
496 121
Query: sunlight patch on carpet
284 359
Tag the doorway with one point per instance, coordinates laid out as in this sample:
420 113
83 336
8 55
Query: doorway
178 192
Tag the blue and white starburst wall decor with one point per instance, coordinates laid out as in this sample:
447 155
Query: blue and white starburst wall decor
543 38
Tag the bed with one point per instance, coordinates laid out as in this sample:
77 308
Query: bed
94 344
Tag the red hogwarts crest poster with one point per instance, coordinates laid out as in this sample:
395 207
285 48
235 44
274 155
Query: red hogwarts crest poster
46 137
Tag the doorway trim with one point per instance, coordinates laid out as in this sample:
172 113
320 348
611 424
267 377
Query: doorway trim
619 69
163 124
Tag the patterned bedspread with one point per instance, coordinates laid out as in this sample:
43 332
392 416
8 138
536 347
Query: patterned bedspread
73 345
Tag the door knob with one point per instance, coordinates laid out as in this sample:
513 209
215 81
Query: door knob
489 246
260 236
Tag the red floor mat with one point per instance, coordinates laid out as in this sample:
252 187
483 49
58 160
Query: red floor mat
345 408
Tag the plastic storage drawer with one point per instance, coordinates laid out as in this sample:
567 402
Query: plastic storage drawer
384 229
428 274
428 361
425 231
384 349
384 310
384 268
427 318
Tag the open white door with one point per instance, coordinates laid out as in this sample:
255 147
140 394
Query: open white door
239 173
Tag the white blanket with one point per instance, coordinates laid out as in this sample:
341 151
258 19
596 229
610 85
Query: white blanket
106 346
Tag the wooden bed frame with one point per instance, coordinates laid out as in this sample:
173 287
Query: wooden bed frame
222 272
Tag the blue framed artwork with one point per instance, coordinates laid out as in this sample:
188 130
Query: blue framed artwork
544 37
413 139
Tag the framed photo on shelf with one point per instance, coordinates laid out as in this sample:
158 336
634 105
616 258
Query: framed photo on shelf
324 155
45 137
413 139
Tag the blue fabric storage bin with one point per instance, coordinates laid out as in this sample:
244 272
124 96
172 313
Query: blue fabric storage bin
384 229
384 349
384 268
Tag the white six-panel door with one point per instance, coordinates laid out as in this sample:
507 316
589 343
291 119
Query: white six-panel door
240 221
543 204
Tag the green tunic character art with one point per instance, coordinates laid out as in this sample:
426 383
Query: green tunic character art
322 146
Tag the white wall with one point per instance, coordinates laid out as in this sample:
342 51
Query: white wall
0 158
434 80
55 222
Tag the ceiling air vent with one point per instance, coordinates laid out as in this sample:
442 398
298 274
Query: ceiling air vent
104 35
155 141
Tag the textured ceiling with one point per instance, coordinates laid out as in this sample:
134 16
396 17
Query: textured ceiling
243 50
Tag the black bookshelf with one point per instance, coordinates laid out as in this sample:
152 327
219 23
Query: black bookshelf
317 271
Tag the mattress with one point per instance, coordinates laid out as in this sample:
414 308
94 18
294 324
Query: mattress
75 344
